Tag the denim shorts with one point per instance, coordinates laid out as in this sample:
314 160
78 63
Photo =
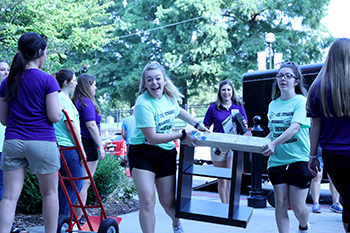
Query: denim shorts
42 157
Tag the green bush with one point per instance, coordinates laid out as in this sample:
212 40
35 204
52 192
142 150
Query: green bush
110 177
30 201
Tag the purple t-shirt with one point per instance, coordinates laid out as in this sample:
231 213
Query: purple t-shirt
216 116
27 114
87 113
335 131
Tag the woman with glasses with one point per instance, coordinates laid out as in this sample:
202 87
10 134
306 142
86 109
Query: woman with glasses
289 148
328 105
28 107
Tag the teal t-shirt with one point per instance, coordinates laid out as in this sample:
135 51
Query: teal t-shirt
281 114
157 113
2 136
62 135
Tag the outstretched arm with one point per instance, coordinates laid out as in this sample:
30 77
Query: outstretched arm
269 148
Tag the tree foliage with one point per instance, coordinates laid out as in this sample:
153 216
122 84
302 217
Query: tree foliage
199 42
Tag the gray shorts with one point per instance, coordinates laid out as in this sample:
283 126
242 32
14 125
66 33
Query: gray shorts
42 157
220 155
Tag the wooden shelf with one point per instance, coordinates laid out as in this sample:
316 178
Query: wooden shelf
215 212
208 171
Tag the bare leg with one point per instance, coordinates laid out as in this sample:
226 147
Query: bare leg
229 162
221 182
334 192
13 183
48 184
144 183
315 187
297 197
281 207
84 191
166 193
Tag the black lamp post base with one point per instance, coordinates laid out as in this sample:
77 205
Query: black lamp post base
257 200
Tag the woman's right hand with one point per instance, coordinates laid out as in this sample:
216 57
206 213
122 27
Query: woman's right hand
102 152
314 166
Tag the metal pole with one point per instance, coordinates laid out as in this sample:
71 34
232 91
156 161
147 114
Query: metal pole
270 54
256 198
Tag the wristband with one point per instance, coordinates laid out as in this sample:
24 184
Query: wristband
196 125
312 156
184 134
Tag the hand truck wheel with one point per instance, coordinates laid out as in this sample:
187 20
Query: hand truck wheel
63 224
109 225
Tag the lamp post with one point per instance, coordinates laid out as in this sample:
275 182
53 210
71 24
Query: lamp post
270 38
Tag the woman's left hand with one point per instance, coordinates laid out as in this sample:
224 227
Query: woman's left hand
268 149
189 140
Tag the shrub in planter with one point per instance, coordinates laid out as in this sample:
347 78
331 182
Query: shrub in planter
110 177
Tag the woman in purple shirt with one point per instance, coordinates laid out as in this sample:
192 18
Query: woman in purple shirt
28 107
90 119
328 105
227 103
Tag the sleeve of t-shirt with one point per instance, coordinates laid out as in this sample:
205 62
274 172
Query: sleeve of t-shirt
299 115
315 107
208 119
177 109
69 109
144 117
52 85
88 110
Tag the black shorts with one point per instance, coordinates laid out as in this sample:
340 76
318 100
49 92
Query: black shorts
153 158
90 148
296 174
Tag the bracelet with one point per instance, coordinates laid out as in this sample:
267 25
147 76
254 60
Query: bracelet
312 156
184 134
196 125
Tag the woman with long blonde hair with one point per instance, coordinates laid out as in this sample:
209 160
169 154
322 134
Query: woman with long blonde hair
329 107
152 154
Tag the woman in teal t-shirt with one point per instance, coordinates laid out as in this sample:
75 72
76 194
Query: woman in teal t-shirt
289 148
152 154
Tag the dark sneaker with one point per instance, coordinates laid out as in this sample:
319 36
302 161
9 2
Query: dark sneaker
337 208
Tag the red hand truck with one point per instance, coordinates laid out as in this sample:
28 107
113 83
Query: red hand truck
100 224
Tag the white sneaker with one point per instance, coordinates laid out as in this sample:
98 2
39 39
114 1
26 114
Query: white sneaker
178 229
304 231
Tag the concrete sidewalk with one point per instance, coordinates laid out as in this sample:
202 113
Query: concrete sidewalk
262 220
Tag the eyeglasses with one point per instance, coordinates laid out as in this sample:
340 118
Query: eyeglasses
286 76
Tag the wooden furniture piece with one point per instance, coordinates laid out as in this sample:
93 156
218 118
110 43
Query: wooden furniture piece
228 214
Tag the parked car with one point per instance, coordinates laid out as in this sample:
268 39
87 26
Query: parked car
116 145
